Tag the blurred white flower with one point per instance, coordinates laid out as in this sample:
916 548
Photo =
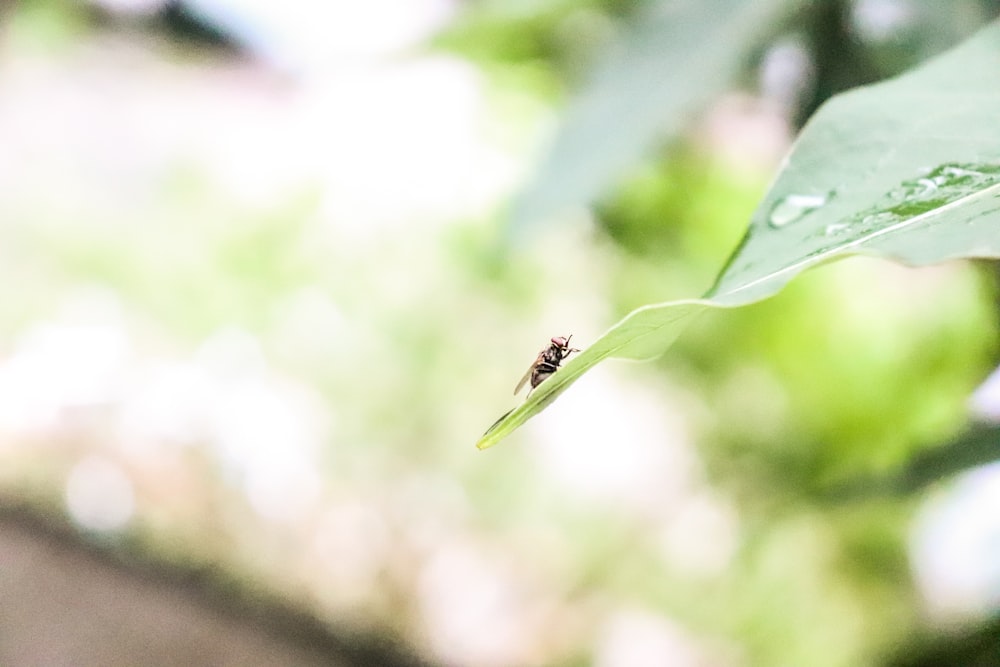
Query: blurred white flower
99 494
642 639
474 608
701 537
880 20
955 546
985 400
75 360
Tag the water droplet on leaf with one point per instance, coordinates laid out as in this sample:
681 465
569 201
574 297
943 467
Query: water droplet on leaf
794 207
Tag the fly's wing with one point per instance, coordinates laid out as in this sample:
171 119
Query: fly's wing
527 374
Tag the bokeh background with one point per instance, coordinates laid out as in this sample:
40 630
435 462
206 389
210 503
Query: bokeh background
258 301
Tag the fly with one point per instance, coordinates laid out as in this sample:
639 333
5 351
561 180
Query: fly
547 362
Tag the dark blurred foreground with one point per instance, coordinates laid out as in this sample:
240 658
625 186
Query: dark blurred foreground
70 601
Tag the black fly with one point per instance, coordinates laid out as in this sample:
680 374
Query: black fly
547 362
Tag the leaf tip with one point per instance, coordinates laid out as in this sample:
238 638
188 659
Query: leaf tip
486 440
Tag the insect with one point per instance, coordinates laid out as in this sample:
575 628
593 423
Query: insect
547 362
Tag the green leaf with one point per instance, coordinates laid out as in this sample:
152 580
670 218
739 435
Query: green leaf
908 170
672 59
645 333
